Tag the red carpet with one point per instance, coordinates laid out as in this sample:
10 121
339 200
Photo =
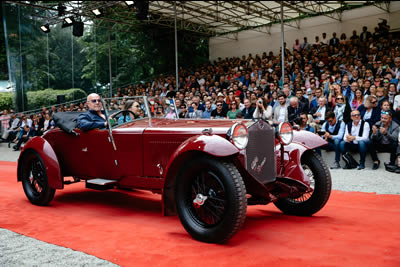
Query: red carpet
354 229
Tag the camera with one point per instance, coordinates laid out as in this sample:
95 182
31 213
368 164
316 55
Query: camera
259 102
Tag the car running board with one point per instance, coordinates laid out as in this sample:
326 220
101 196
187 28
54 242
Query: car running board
100 184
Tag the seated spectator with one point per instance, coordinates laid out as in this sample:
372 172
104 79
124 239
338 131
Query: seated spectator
358 99
356 138
26 134
342 109
194 112
303 100
263 109
314 101
303 125
233 110
183 111
219 112
332 131
318 113
295 108
280 111
47 124
380 95
384 138
207 111
248 109
369 111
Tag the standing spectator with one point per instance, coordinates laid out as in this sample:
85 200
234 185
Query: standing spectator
334 41
365 35
248 109
324 40
333 131
355 139
4 123
280 111
297 46
384 138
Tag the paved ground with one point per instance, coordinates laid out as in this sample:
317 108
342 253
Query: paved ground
19 250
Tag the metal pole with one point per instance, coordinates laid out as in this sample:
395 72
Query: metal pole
48 63
176 50
72 57
109 61
20 61
95 57
283 49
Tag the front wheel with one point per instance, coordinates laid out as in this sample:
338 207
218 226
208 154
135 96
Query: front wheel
34 179
211 199
321 183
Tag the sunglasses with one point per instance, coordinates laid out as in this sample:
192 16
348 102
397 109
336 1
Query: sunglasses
219 105
385 112
136 106
95 100
355 115
373 102
339 98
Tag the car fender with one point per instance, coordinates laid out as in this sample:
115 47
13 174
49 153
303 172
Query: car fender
212 145
292 162
308 139
46 152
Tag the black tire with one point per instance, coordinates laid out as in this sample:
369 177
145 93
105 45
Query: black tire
310 202
34 180
223 212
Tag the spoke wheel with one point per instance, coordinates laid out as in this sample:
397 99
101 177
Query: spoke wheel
320 188
34 179
211 199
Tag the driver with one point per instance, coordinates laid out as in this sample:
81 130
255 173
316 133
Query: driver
94 117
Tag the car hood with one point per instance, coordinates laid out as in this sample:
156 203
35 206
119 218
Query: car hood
182 125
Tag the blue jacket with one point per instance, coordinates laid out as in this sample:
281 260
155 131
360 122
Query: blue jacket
375 116
90 120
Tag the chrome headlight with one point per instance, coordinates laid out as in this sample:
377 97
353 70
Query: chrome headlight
285 133
239 135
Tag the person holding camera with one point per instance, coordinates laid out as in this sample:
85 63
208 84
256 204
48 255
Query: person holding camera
295 108
263 109
332 131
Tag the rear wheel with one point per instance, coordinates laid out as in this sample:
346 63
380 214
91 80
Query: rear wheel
314 200
34 180
211 200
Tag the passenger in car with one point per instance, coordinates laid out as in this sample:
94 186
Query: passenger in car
132 106
94 117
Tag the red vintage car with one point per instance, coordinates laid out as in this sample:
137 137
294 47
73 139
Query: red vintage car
207 171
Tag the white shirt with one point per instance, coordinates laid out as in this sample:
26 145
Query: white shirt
367 114
355 129
282 114
322 111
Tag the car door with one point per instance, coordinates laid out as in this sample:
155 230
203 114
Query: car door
99 157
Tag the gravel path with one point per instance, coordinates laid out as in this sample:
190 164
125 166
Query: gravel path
19 250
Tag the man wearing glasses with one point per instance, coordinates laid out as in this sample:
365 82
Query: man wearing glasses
93 118
384 138
355 138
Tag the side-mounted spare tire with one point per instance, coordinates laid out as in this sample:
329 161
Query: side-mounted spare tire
34 179
211 199
321 183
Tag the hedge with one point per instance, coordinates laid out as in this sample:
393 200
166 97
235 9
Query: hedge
43 98
5 101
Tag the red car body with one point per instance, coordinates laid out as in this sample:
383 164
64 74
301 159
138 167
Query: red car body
151 153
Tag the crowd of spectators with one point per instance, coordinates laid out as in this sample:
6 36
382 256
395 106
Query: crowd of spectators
347 90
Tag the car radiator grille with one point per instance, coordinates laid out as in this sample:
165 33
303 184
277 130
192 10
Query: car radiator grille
260 156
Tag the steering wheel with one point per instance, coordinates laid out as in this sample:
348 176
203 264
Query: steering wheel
124 113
